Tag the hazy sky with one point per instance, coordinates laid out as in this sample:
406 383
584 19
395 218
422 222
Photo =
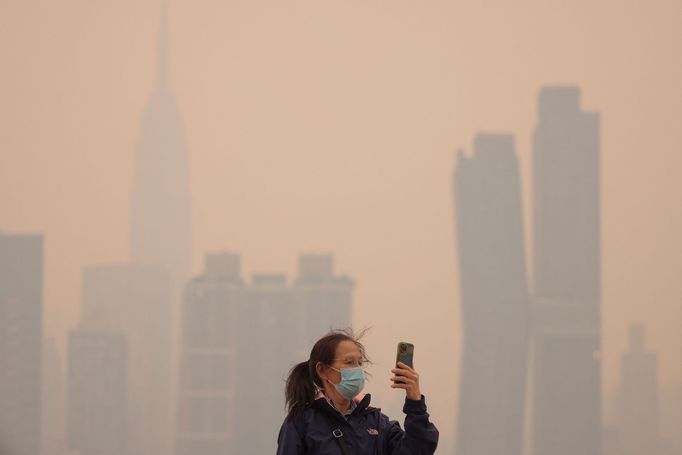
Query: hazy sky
332 126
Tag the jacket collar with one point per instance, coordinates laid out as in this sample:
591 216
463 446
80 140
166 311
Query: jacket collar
362 402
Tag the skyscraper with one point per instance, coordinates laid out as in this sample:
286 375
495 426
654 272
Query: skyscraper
133 301
239 342
566 276
325 299
98 393
494 296
21 338
53 400
160 229
160 200
276 316
211 327
639 414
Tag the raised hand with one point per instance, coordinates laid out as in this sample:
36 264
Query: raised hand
406 378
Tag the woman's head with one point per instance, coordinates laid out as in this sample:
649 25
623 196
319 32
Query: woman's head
332 352
336 350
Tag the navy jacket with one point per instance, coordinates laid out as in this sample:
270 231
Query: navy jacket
367 431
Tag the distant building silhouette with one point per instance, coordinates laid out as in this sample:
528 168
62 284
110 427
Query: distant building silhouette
494 296
639 414
133 301
160 229
269 352
136 303
21 338
161 209
325 298
566 276
53 399
98 393
207 396
670 400
238 343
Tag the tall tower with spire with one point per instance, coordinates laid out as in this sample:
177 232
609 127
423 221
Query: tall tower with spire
160 200
160 221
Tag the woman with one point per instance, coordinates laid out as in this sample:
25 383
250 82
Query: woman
326 415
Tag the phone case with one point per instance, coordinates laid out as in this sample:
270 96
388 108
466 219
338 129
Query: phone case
405 353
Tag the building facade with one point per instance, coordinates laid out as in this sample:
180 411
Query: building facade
566 276
239 342
97 410
494 298
21 339
639 412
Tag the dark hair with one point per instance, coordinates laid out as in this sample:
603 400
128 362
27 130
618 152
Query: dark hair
303 380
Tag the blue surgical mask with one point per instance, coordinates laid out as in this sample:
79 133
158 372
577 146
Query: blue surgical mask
352 382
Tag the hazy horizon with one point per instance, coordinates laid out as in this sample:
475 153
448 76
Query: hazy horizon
333 127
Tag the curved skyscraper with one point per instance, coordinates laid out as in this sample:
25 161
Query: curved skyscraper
494 298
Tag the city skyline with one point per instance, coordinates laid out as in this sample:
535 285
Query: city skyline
130 310
240 339
128 305
370 184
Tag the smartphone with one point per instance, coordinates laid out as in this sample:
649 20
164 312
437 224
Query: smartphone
405 353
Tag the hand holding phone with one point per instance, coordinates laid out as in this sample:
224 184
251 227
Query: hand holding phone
405 375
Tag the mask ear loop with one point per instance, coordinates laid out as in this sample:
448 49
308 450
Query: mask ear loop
317 388
335 369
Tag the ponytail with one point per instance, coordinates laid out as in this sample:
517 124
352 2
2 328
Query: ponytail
303 381
300 390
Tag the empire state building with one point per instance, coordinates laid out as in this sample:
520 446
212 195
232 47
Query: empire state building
160 227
